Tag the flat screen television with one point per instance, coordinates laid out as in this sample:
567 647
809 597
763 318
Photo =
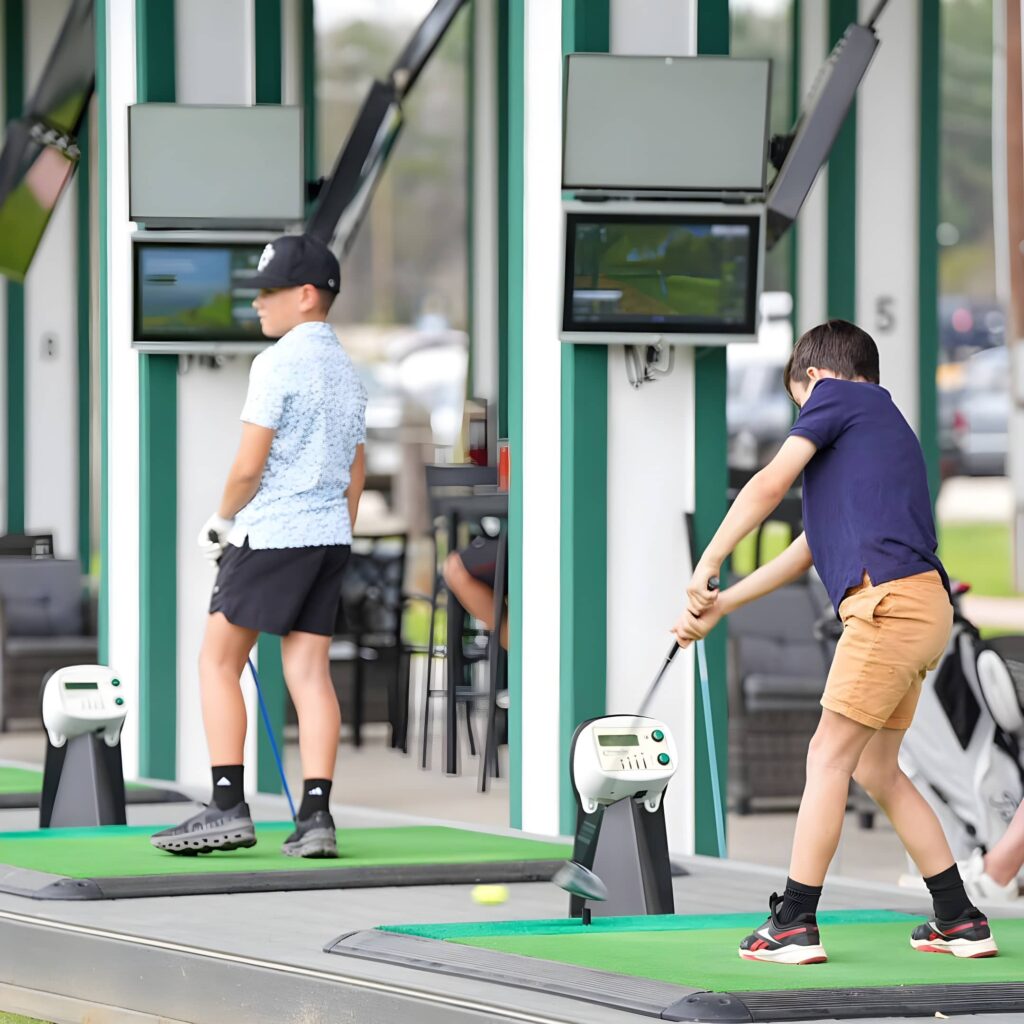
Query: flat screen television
824 112
665 125
40 152
195 295
635 272
33 176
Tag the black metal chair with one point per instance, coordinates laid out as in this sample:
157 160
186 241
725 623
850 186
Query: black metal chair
497 674
443 480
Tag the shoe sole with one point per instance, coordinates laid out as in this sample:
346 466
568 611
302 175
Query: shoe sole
794 956
191 844
964 948
318 842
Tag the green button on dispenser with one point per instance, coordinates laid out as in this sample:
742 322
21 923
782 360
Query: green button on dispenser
657 735
115 682
120 700
663 759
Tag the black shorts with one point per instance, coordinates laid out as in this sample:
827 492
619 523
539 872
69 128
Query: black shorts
480 559
278 590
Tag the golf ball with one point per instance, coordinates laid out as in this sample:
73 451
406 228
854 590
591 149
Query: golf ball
490 895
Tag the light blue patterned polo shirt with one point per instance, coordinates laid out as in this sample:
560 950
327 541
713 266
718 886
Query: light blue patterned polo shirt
305 388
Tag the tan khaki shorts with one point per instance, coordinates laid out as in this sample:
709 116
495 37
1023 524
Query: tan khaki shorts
893 634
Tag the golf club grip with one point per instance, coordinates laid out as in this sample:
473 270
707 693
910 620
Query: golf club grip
712 585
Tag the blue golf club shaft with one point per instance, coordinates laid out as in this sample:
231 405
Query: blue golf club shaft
270 733
709 730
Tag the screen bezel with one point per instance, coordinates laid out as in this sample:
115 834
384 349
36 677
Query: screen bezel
648 327
163 343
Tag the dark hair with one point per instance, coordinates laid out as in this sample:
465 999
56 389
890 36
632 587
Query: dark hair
835 345
327 298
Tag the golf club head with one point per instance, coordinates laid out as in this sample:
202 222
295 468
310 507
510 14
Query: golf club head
577 880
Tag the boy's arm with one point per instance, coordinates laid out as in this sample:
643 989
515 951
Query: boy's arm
783 569
357 480
756 500
247 469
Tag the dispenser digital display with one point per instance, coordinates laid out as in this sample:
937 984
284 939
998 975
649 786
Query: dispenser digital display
198 292
661 273
81 686
618 739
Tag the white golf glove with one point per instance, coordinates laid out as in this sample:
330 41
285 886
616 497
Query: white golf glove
213 537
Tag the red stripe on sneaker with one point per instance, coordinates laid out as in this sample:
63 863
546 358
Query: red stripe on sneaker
965 927
786 935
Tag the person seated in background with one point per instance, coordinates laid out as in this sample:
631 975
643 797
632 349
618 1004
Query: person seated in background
992 877
469 574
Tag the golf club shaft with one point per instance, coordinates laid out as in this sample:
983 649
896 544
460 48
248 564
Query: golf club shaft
709 731
270 734
652 689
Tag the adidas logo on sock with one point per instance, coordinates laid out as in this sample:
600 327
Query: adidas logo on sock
316 791
223 781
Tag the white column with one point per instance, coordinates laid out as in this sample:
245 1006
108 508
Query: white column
812 241
650 484
51 338
888 111
485 201
214 53
540 464
122 378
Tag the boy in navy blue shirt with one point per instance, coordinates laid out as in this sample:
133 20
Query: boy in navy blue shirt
869 532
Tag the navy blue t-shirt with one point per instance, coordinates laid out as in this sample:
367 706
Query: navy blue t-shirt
866 505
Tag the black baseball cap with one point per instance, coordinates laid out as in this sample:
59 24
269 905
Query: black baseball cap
294 260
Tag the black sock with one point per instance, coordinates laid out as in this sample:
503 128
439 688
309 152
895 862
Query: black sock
227 785
948 895
316 795
798 899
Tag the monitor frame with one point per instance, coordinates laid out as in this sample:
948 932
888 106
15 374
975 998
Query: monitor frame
638 211
177 239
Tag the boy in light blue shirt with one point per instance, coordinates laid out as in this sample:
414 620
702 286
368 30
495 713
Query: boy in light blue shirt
281 538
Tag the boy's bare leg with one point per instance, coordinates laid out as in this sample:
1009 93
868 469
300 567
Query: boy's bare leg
1004 861
832 756
915 822
307 674
221 662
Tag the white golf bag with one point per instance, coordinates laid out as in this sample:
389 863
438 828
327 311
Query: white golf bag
963 751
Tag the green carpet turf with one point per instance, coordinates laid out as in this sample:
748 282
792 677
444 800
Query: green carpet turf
119 851
25 780
20 780
865 951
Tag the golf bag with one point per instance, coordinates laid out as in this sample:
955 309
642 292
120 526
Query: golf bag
963 750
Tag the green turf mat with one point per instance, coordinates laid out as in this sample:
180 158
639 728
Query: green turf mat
13 1018
25 780
651 923
860 956
20 780
125 851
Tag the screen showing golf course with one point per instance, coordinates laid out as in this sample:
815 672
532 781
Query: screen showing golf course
681 274
196 292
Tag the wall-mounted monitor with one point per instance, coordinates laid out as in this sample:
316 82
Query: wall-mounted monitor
209 166
33 176
195 293
636 273
818 125
665 125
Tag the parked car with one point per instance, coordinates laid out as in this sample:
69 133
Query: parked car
969 325
981 414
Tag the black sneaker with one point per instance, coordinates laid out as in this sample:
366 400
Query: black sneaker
797 942
968 936
313 837
211 829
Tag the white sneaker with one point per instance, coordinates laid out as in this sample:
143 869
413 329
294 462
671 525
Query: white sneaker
980 886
